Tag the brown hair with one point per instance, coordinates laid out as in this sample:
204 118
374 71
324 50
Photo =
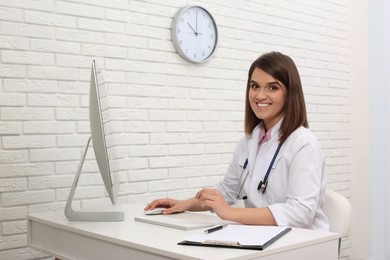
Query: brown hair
282 68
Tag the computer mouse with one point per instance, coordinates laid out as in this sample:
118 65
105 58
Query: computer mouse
155 211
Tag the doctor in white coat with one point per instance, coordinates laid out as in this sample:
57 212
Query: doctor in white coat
278 166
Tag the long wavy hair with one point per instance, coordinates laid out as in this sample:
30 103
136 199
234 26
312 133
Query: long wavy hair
282 68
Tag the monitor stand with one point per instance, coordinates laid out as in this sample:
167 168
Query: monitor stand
84 215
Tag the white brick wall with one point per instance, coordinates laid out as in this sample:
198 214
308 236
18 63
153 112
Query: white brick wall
173 125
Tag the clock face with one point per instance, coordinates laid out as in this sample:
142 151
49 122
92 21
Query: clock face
194 34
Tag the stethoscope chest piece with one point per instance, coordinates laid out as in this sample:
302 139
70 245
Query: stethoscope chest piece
262 186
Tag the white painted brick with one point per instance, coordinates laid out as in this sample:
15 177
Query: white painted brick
82 192
41 5
44 155
14 227
50 19
72 140
14 71
129 163
149 8
117 4
168 138
202 182
13 213
161 115
219 126
11 14
11 42
103 50
196 160
100 25
50 182
149 174
76 9
55 46
59 100
13 184
17 156
167 185
27 30
11 128
133 188
186 149
184 127
23 253
118 15
34 86
72 114
52 73
14 142
196 171
25 198
9 242
43 207
28 114
79 36
44 127
147 150
127 139
204 115
16 169
171 161
28 58
11 99
205 138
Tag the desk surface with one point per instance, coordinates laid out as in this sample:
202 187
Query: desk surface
52 233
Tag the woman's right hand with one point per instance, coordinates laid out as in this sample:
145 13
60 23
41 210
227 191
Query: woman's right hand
171 205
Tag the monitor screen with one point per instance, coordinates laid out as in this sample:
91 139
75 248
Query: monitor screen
100 149
98 136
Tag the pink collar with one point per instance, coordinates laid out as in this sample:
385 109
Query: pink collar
264 136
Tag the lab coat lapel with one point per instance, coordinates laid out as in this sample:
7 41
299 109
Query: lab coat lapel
252 148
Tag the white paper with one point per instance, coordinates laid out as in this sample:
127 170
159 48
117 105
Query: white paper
249 235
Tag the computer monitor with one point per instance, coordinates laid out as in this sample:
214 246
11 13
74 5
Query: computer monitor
101 155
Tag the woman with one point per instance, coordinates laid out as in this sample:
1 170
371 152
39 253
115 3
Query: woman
278 167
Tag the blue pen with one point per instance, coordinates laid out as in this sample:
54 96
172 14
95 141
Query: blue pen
211 230
245 164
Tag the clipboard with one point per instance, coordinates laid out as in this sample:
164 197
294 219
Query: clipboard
239 236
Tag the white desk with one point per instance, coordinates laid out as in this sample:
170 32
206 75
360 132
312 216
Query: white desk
53 234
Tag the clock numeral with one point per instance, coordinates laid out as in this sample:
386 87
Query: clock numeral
203 54
181 42
195 56
211 36
186 51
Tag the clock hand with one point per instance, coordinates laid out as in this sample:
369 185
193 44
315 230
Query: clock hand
192 29
196 22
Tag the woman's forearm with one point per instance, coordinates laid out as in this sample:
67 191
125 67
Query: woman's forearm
252 216
194 205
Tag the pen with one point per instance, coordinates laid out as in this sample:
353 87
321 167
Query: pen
211 230
245 164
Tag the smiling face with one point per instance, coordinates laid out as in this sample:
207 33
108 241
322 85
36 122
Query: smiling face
267 97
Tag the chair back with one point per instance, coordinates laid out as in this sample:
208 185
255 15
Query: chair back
338 210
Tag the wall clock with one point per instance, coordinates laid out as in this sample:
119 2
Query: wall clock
194 34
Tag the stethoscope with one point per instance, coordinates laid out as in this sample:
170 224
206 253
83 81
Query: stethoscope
263 183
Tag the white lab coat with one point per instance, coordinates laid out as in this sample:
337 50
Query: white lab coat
296 184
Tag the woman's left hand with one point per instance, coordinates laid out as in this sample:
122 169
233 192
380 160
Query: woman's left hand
212 198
